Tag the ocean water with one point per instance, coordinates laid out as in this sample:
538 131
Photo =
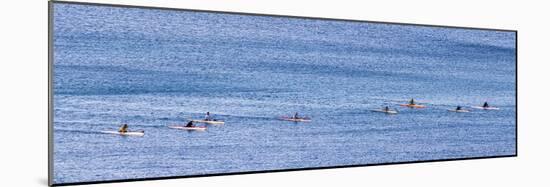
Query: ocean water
154 68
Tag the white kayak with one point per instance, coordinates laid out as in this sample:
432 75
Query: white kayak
485 108
129 133
214 122
295 119
188 128
459 111
385 111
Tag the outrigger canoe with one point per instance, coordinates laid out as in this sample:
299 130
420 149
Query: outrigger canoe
385 111
187 128
413 105
214 122
485 108
295 119
129 133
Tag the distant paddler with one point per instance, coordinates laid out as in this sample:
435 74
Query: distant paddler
123 128
459 109
296 118
412 104
386 110
486 106
208 119
190 124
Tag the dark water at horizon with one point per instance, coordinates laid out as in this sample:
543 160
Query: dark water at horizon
154 68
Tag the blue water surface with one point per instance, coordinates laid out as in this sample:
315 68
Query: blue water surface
154 68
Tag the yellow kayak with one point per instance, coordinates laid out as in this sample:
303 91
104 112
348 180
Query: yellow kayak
413 105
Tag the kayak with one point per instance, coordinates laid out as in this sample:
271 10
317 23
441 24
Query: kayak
214 122
385 111
459 111
135 133
295 119
188 128
485 108
413 106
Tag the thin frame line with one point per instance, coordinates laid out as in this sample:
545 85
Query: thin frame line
50 93
517 83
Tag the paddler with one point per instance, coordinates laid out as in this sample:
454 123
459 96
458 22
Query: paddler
296 116
387 108
123 128
207 116
485 105
412 102
458 108
189 124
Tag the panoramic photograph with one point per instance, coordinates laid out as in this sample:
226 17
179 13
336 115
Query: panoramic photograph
143 93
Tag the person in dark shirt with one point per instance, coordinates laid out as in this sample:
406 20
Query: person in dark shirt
189 124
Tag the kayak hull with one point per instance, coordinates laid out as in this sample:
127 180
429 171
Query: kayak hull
384 111
295 119
485 108
413 106
459 111
209 122
136 133
188 128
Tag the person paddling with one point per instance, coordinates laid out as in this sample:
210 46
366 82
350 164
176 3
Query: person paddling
387 109
296 116
458 108
207 116
123 128
412 102
189 124
485 105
